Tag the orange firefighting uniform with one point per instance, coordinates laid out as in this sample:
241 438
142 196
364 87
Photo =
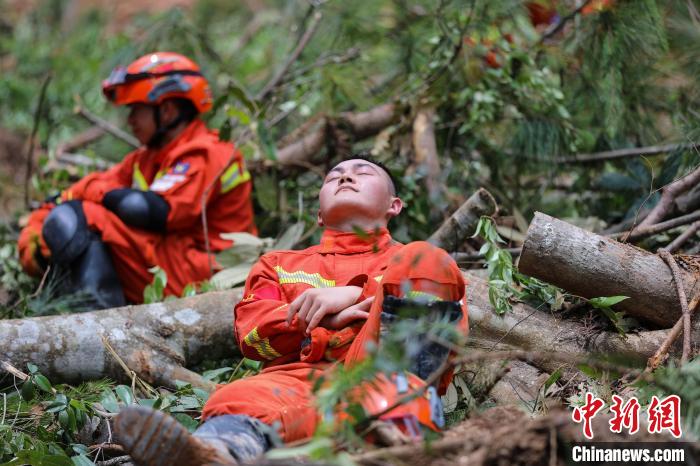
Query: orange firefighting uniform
281 394
180 172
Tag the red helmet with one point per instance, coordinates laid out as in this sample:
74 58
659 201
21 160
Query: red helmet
158 76
424 410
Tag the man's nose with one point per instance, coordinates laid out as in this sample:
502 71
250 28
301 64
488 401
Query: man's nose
346 178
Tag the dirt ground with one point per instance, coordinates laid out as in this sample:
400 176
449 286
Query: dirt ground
506 436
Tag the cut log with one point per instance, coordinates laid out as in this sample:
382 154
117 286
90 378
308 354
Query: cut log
463 221
529 329
590 265
154 340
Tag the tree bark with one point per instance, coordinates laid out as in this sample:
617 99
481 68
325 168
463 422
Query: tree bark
529 329
426 149
158 340
360 125
154 340
463 221
590 265
669 194
520 386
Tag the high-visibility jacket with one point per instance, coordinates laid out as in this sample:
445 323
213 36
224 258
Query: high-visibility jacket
341 259
283 393
193 165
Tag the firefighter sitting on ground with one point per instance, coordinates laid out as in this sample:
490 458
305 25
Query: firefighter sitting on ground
110 227
304 312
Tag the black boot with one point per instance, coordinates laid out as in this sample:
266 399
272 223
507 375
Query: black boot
93 273
76 248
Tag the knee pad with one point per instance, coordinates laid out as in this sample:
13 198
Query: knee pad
141 209
65 232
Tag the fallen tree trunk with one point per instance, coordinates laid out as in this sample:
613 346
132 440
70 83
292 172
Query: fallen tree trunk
154 340
158 340
360 125
532 330
463 221
591 265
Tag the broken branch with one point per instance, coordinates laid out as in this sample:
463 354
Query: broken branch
107 126
668 195
623 153
463 221
308 34
32 140
650 230
683 237
669 259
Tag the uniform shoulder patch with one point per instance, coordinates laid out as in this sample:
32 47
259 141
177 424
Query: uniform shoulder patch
181 168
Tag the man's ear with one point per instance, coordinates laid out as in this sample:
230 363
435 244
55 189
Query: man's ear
319 220
168 111
395 207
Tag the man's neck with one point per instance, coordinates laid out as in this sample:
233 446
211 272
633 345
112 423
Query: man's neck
170 136
352 225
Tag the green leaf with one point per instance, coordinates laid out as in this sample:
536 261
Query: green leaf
82 460
266 141
214 374
240 115
240 94
589 371
606 301
125 394
189 291
43 383
27 392
552 379
32 368
109 401
186 421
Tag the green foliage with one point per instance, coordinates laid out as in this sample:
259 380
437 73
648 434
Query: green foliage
683 381
505 283
46 424
155 291
617 319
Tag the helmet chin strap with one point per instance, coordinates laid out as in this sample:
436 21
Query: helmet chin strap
162 130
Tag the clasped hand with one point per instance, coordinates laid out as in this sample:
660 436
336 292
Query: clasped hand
331 308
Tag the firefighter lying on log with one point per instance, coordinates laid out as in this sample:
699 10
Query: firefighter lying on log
110 227
303 313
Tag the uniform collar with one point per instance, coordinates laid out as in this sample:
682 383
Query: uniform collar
192 130
340 242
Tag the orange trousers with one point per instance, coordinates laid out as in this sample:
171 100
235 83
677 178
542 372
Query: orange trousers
282 396
133 251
